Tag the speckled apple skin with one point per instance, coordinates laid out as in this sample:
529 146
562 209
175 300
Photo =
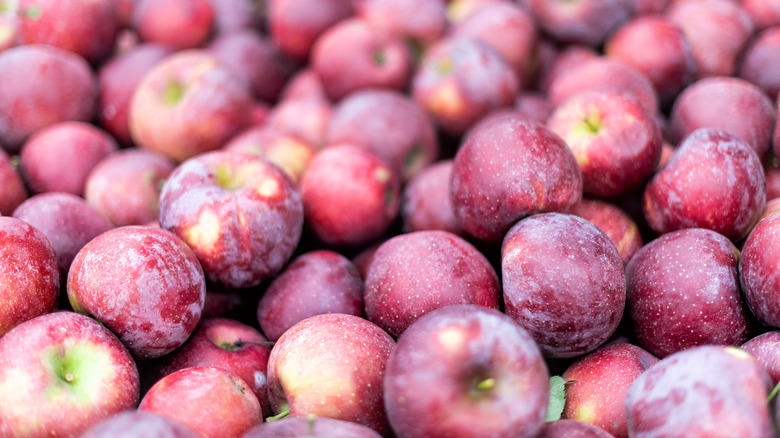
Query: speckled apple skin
714 180
35 404
683 291
618 225
508 169
563 281
244 234
706 391
30 283
143 283
437 363
758 272
597 385
331 366
415 273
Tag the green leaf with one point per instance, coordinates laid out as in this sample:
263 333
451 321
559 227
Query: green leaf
557 398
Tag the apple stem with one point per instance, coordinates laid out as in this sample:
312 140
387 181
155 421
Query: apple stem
773 394
310 424
486 385
240 343
69 377
284 413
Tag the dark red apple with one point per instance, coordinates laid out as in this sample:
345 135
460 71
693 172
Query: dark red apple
764 348
757 275
571 429
131 423
616 223
311 427
425 201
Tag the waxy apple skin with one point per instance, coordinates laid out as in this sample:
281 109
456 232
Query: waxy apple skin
758 271
30 283
466 371
60 373
143 283
764 348
563 281
331 366
240 214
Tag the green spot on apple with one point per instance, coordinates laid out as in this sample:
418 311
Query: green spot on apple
380 58
173 93
224 177
591 123
76 371
34 12
485 385
4 7
445 67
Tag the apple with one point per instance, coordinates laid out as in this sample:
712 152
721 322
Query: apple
466 371
683 291
616 223
614 138
241 215
727 195
304 83
61 373
597 385
350 195
419 22
558 62
12 189
223 343
143 283
9 24
331 365
306 118
60 157
760 62
235 15
42 85
314 283
218 402
174 110
415 273
179 24
563 281
763 348
534 105
425 201
132 423
703 391
764 13
508 169
756 275
30 281
388 123
125 185
582 21
571 429
352 55
295 25
311 427
88 28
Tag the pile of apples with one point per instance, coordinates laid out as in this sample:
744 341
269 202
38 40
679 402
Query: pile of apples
389 218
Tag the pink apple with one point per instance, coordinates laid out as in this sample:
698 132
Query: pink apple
131 423
179 24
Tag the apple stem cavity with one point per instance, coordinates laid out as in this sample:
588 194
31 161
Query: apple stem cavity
173 93
379 57
240 343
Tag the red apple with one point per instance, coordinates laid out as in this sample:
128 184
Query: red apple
130 424
611 219
12 190
306 118
759 282
285 149
420 22
295 25
179 24
425 202
571 429
311 427
580 21
61 373
764 348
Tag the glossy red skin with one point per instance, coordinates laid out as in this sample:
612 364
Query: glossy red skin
598 384
86 27
12 190
345 58
66 220
731 104
388 123
242 233
316 427
623 151
118 78
350 195
60 157
214 343
603 73
179 24
42 85
306 118
760 284
25 364
764 348
295 25
287 150
717 31
507 27
416 273
764 13
133 423
699 304
432 373
585 22
256 59
760 65
142 283
420 21
197 122
210 392
508 169
615 222
666 57
459 80
125 185
347 352
30 283
314 283
563 281
675 398
425 201
727 195
571 429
